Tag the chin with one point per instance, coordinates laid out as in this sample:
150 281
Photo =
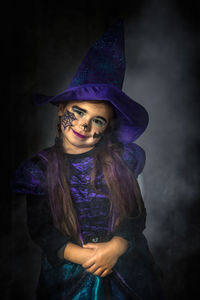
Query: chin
76 142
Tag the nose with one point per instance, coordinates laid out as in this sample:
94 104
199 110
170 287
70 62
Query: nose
85 126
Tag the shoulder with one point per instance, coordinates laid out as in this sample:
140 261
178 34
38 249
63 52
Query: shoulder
30 176
134 156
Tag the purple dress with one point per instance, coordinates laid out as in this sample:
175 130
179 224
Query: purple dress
133 276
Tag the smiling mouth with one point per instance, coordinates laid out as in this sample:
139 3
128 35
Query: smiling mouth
79 135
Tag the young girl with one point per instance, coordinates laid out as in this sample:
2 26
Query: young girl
84 204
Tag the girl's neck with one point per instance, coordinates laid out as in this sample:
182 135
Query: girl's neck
71 149
77 150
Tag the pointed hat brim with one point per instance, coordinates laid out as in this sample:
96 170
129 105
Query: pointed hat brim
132 116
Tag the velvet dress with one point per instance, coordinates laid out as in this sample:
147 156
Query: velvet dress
133 276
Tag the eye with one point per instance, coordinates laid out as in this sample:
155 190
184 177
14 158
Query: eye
78 112
99 122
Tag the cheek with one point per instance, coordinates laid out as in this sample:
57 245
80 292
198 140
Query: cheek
67 119
93 141
98 131
97 135
64 129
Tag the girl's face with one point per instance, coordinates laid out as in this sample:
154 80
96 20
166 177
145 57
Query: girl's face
83 124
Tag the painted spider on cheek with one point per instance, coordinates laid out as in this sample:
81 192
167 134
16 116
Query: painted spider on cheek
67 119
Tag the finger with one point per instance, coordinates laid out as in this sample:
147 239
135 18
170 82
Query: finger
88 263
98 272
94 269
106 272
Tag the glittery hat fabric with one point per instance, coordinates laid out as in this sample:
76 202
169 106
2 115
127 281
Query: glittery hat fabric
100 77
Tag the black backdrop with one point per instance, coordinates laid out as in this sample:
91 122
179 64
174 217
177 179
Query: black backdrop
44 44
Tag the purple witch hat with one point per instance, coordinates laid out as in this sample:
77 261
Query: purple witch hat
100 77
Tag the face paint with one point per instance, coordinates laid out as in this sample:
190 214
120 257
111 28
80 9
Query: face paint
67 119
97 135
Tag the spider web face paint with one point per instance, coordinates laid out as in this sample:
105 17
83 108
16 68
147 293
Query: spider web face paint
67 119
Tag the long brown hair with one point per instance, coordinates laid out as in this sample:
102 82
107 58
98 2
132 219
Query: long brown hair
123 191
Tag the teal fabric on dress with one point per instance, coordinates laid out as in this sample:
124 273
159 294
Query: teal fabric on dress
71 281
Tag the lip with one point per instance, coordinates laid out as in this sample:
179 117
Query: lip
79 135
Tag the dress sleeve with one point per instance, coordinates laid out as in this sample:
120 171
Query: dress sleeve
134 156
43 231
132 226
29 177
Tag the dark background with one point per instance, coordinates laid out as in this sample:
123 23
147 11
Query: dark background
44 44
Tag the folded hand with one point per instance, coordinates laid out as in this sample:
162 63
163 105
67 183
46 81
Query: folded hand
105 256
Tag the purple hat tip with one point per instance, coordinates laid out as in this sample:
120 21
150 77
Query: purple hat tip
104 63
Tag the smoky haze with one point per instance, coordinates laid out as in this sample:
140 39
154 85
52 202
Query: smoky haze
160 54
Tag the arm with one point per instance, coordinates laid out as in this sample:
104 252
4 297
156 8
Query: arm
30 180
125 234
47 237
50 239
124 239
105 256
132 226
77 254
42 230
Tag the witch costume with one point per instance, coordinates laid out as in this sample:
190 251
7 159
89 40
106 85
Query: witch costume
99 77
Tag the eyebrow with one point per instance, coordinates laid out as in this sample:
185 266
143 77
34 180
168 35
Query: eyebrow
85 111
